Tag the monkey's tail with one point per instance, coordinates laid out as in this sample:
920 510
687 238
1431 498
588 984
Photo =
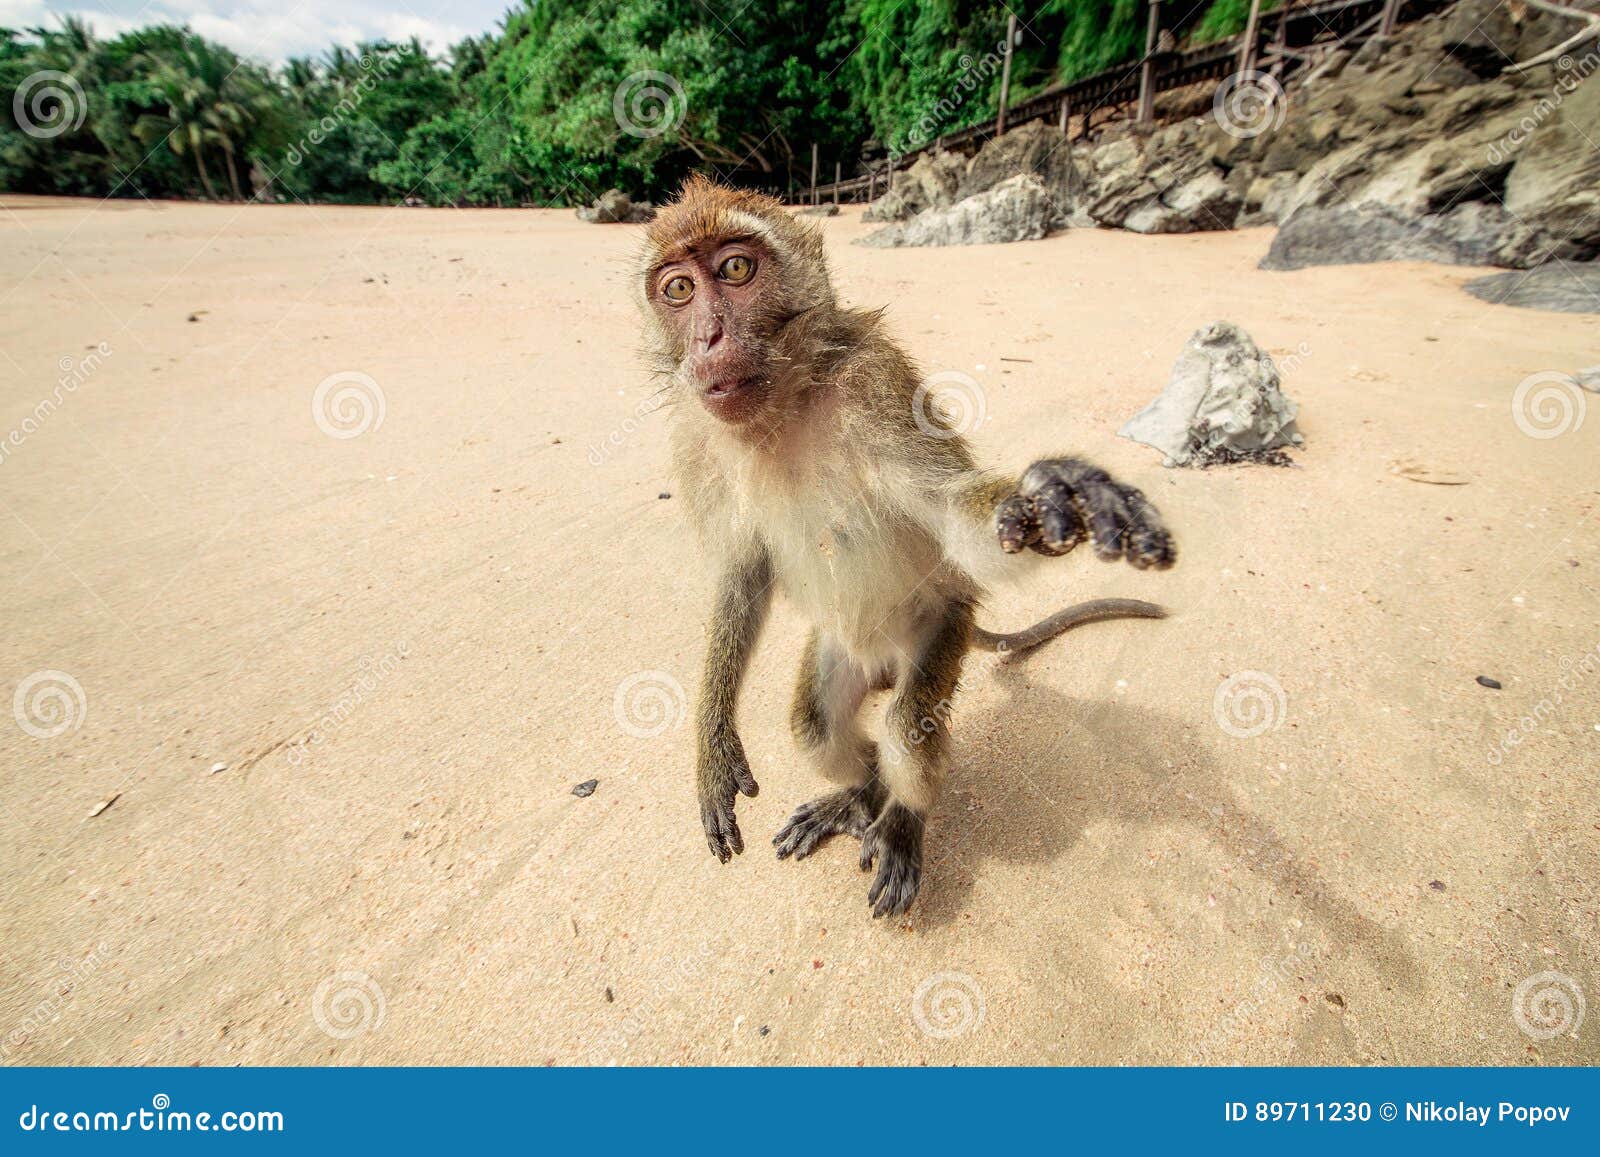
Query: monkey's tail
1046 629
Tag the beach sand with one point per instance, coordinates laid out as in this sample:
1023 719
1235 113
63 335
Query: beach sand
405 647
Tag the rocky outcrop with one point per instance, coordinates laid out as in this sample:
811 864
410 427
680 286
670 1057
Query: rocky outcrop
1415 148
1560 286
1020 209
614 207
1223 403
1470 234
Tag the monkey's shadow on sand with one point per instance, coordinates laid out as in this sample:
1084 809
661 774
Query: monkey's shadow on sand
1101 760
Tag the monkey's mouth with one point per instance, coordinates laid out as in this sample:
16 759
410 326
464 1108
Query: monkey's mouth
730 398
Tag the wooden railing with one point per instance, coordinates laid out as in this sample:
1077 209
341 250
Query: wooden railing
1276 46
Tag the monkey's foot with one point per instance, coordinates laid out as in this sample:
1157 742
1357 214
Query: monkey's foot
847 812
895 841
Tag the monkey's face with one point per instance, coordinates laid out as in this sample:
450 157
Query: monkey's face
717 297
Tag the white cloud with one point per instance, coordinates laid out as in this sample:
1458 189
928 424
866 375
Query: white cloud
273 30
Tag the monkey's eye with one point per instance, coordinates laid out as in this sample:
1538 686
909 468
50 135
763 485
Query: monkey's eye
679 289
736 269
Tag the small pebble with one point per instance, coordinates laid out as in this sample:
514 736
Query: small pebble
765 1030
586 788
1485 681
664 494
609 996
216 767
1436 885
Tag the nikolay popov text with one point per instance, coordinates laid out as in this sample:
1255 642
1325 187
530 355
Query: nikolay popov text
1480 1115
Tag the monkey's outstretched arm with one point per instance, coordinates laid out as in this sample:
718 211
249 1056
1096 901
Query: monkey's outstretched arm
744 595
1055 505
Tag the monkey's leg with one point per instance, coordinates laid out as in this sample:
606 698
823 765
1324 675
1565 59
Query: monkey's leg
826 702
912 759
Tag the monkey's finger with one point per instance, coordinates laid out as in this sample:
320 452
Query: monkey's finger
746 781
1149 543
1106 516
1015 524
1060 526
712 819
729 826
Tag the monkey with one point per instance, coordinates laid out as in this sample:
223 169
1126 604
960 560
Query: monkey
807 468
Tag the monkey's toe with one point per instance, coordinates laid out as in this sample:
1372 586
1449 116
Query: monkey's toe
846 812
894 841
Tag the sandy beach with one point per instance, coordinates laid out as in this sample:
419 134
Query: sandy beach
350 550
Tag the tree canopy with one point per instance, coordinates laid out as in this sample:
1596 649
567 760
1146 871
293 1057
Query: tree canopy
562 101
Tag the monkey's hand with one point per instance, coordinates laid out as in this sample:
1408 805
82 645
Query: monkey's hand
1060 502
723 772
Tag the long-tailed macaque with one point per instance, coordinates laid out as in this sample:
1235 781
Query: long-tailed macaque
807 468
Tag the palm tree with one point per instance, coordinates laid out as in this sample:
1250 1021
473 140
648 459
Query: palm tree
212 99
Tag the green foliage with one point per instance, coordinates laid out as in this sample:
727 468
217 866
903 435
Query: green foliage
566 99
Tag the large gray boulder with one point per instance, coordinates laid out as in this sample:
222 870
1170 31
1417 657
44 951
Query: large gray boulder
614 207
1020 209
1555 182
1560 286
932 182
1223 403
1470 234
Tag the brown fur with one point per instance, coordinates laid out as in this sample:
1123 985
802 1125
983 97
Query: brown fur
798 453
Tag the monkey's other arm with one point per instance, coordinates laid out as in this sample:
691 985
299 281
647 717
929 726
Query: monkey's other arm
744 595
1055 505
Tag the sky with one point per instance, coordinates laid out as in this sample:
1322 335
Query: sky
274 30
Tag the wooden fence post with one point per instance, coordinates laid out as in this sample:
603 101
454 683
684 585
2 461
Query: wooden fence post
1247 47
838 174
813 174
1005 75
1391 10
1147 70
